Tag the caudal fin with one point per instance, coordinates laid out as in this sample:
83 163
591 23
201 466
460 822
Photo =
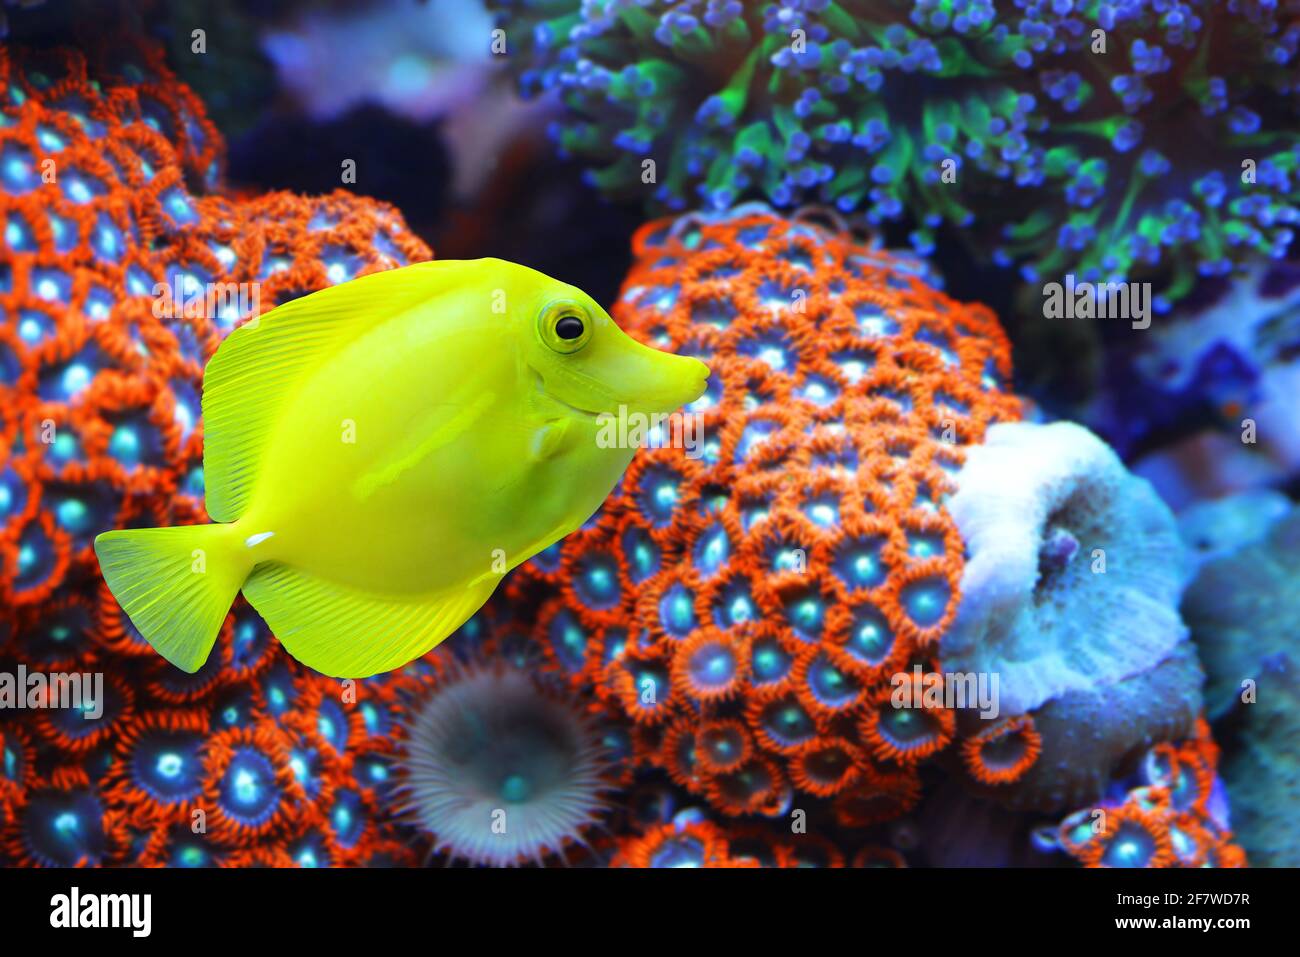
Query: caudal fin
175 584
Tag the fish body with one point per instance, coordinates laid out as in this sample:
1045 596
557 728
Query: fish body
452 420
380 453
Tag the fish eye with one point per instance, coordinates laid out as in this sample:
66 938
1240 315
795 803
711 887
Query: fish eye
564 327
569 327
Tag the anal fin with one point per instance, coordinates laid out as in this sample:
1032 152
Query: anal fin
345 633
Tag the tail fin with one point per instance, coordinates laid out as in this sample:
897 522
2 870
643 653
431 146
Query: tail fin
176 585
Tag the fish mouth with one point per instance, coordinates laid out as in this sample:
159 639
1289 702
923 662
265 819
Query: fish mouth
576 410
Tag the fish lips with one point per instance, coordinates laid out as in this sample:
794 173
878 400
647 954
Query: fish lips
684 394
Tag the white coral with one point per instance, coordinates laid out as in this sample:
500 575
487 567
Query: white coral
1074 567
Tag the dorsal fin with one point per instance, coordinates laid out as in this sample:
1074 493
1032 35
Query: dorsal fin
255 368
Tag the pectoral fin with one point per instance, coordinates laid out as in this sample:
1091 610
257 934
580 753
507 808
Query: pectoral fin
548 439
345 633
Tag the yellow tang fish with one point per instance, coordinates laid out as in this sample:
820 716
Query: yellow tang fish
378 454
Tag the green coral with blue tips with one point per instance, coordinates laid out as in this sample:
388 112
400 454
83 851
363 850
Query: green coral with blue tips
1067 150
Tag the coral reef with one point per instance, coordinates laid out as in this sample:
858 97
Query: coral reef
1206 465
270 765
1225 356
1244 612
1070 596
1044 133
1073 570
1219 527
1175 816
743 601
1231 344
680 844
690 840
1089 734
708 673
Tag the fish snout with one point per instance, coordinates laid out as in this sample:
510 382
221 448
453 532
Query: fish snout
676 381
689 381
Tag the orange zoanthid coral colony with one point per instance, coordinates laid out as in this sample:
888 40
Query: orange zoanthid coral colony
122 264
692 840
780 550
1176 817
121 267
